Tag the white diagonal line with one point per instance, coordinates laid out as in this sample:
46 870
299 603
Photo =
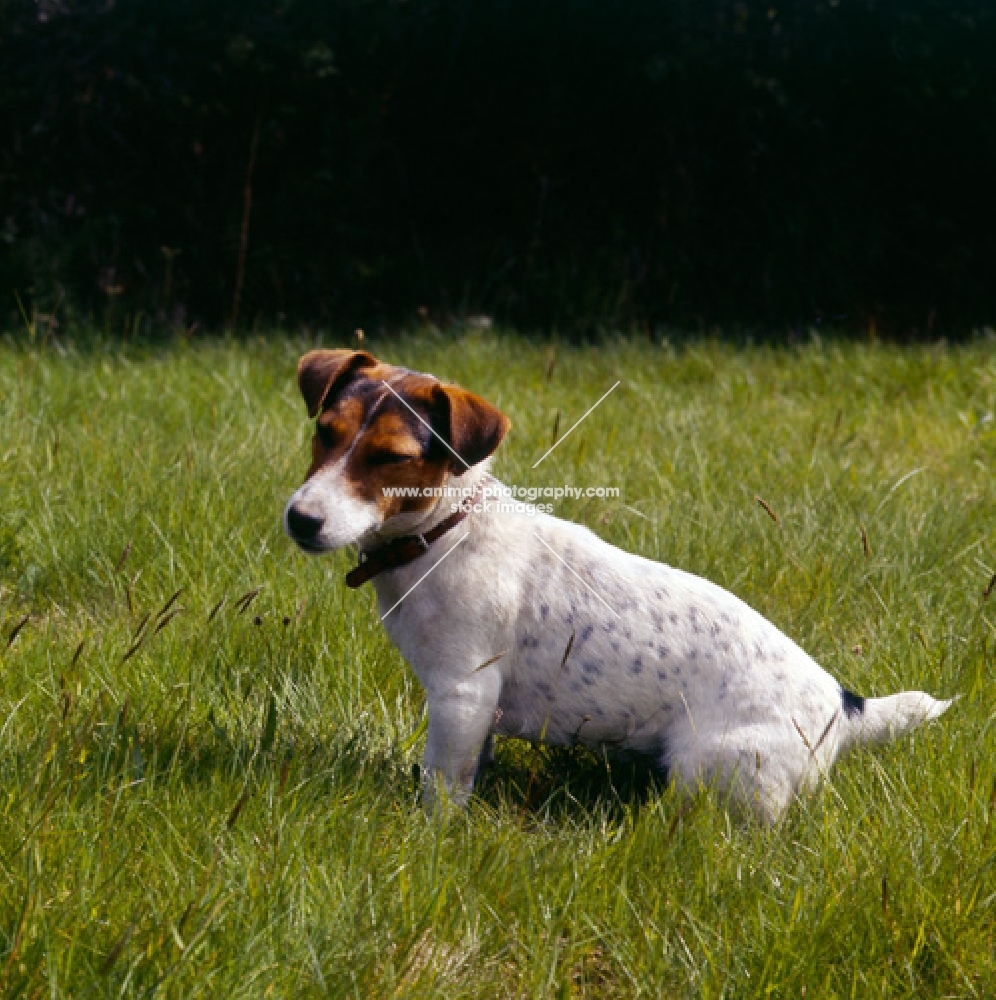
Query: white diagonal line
410 589
441 441
569 570
547 452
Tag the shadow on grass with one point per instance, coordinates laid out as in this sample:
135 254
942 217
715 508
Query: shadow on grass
558 782
88 753
565 782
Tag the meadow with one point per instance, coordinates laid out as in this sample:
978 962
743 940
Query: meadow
207 743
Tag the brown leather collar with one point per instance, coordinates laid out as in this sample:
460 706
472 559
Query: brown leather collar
407 548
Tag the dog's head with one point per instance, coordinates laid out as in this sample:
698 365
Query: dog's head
381 430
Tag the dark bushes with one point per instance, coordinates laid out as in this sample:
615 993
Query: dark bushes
548 161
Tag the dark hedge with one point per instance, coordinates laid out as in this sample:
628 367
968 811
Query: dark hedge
550 162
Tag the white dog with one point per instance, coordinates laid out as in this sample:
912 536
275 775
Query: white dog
529 626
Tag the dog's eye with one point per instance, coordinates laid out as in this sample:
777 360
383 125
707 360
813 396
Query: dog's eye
388 458
325 436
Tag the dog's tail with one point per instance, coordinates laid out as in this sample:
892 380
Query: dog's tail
875 720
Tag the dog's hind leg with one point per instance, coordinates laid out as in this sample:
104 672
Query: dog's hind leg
756 773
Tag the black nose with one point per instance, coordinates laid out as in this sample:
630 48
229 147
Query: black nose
303 525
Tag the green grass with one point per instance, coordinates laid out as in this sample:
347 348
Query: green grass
226 808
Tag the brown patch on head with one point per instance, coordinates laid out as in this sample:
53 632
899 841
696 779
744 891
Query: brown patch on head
335 432
384 443
390 438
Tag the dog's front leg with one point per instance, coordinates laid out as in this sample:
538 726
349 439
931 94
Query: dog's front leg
460 719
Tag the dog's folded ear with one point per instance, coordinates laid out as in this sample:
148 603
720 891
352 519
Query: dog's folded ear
320 373
471 425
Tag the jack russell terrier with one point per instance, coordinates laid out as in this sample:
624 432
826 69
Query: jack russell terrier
525 625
